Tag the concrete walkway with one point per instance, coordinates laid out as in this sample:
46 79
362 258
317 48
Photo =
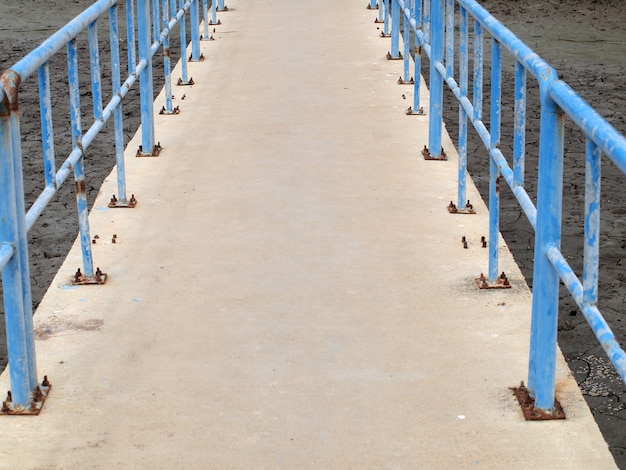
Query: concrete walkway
290 291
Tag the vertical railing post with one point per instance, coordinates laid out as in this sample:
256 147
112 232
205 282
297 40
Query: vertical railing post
79 166
16 283
494 172
436 80
395 30
183 45
519 124
205 19
372 5
166 57
117 113
145 77
463 85
545 300
16 274
213 12
195 31
591 253
130 36
220 5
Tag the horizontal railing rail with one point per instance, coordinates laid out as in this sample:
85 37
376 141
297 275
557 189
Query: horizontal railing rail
148 28
432 27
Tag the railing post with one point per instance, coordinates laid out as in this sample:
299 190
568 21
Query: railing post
372 5
436 80
395 30
166 58
545 301
145 77
130 36
117 113
16 274
195 31
205 19
494 172
463 85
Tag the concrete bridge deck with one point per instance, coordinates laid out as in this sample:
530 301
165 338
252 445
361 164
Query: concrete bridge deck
290 291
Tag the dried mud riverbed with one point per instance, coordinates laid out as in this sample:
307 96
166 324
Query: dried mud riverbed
583 39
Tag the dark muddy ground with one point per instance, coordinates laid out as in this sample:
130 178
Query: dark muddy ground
583 39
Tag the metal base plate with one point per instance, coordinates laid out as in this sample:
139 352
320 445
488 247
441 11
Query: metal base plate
36 404
501 283
528 406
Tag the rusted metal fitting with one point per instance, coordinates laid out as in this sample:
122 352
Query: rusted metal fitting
453 209
464 241
383 35
420 112
81 280
527 403
370 7
181 83
390 57
402 82
115 202
176 110
501 283
377 21
37 399
427 156
201 59
483 242
218 23
156 150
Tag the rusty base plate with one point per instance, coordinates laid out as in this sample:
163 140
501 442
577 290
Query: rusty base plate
501 283
409 112
528 406
38 399
427 156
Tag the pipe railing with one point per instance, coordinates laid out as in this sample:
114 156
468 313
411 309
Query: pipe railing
433 24
149 26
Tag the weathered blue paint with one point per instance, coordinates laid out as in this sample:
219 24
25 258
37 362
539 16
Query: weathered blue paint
195 34
557 101
395 29
436 78
183 40
47 130
166 56
131 41
117 110
449 38
591 255
145 77
372 4
94 59
79 167
494 171
463 90
519 125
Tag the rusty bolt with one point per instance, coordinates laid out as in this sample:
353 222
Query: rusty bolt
484 243
468 205
45 382
78 275
464 244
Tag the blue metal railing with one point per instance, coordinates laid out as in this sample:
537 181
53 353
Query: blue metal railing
429 26
145 35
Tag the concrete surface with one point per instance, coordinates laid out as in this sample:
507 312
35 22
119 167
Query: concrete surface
290 291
